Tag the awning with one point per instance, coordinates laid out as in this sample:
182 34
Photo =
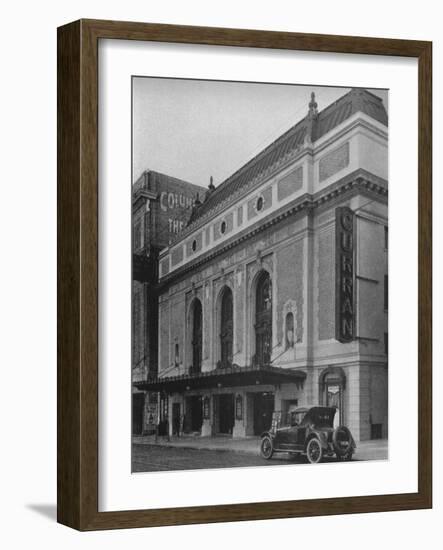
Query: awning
224 378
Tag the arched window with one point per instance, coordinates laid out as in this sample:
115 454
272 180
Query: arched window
197 323
289 336
226 328
263 319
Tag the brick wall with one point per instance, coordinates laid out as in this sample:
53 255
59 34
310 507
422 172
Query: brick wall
137 323
290 285
144 327
239 304
171 212
163 352
177 317
326 284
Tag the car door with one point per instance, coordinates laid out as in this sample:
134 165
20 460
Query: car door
282 437
301 437
290 438
297 437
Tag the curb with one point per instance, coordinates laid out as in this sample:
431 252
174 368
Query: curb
196 448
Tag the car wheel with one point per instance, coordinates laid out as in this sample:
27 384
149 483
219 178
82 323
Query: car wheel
266 447
314 451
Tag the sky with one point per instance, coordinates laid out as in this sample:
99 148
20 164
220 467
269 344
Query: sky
195 129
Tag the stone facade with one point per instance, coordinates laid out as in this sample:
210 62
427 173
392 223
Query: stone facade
271 245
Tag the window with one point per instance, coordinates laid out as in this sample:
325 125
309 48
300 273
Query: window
194 245
289 330
197 326
223 227
386 237
259 204
226 328
263 319
386 343
177 355
386 297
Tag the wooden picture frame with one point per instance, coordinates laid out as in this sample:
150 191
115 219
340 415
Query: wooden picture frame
77 480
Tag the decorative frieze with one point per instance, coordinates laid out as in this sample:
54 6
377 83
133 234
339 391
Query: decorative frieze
194 245
260 203
224 226
350 183
291 183
240 215
177 255
207 236
333 162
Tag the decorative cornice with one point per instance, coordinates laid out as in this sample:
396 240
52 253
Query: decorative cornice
293 156
358 181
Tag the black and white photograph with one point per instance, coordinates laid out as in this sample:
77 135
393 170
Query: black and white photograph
259 274
219 275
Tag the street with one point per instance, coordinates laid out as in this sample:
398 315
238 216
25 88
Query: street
155 458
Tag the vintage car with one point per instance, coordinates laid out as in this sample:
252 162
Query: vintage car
309 432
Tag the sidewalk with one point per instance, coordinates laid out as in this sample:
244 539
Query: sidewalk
366 450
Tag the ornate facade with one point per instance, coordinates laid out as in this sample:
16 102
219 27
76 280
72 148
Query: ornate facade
275 294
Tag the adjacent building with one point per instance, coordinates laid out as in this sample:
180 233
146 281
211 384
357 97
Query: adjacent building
275 295
161 208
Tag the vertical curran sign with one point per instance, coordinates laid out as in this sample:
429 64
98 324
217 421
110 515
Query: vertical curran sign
344 275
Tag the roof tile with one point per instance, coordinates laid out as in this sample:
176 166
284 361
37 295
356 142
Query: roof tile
354 101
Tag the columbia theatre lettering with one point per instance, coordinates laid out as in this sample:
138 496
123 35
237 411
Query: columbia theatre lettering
171 202
344 290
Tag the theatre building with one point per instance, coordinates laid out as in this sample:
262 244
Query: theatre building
275 294
161 208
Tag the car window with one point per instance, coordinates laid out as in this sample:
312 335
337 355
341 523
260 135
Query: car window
323 419
295 418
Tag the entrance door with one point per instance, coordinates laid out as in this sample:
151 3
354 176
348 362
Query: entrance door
138 401
263 409
194 414
176 418
226 413
333 399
